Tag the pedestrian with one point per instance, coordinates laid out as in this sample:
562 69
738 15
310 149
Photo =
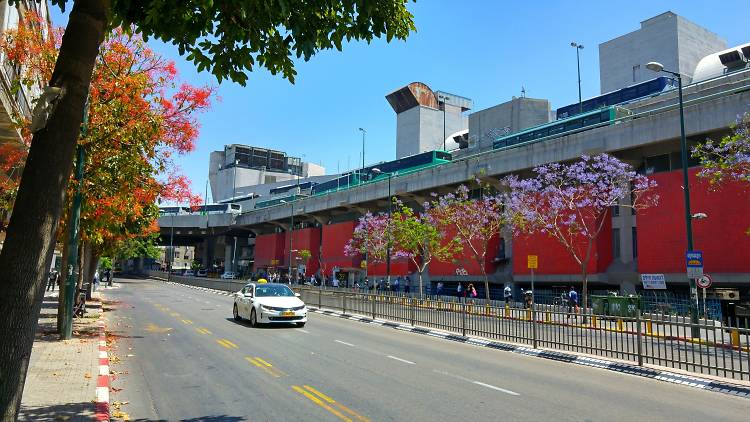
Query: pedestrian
507 294
52 280
528 297
96 279
459 290
388 286
312 280
335 282
471 291
407 284
397 284
439 288
109 277
572 301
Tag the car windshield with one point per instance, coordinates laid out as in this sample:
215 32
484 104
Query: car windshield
273 290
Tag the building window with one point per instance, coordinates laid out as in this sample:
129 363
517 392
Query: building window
635 243
636 68
615 211
615 243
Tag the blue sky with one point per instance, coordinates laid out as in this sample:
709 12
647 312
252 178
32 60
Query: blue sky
482 49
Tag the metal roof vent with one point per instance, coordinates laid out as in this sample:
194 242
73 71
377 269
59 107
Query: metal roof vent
746 52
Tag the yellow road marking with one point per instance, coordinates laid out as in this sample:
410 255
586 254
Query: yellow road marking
187 321
265 366
263 362
203 330
339 405
226 343
153 328
174 314
317 401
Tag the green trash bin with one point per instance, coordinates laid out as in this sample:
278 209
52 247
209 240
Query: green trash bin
599 305
623 306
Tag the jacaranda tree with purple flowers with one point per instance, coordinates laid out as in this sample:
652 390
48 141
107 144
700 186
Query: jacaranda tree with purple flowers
570 202
475 221
418 236
370 238
729 158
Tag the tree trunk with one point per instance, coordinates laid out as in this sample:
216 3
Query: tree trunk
29 244
486 284
585 292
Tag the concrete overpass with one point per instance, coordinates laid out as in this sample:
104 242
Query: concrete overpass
710 109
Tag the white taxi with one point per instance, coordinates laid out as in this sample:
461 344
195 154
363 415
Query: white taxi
269 303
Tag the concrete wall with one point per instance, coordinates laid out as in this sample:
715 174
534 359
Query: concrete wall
509 117
420 129
669 39
210 283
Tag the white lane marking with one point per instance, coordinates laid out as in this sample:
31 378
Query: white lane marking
345 343
401 360
303 330
512 393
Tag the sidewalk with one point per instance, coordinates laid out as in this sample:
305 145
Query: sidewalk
62 377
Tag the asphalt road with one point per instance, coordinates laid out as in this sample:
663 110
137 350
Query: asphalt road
182 358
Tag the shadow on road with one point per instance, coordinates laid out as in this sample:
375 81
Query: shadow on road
246 323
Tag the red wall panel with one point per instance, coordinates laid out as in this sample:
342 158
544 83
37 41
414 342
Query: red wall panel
400 267
466 260
308 238
269 247
555 259
334 238
661 230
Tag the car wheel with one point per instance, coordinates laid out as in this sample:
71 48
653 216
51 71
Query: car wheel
253 319
300 324
236 313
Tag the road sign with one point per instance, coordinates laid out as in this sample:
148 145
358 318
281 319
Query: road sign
704 282
653 281
694 260
532 261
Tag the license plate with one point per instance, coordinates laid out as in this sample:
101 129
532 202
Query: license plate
287 313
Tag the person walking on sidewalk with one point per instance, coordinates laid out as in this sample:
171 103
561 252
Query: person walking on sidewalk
507 294
459 290
52 280
572 301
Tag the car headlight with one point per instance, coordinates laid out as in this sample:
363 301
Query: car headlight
266 308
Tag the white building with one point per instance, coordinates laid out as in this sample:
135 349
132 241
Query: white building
669 39
239 170
427 120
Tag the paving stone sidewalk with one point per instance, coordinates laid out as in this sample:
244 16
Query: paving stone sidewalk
62 376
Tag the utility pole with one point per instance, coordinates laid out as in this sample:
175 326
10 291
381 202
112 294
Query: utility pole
75 217
66 331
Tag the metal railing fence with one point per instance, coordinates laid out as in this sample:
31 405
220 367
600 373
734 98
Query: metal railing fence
711 347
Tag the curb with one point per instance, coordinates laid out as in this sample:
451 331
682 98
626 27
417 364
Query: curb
102 383
615 366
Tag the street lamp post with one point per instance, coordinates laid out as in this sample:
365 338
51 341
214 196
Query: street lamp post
364 132
658 67
578 48
291 238
390 212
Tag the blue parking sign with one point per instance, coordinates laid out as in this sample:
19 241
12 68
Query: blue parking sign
694 259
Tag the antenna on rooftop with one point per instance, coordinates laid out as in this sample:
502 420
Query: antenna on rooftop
523 92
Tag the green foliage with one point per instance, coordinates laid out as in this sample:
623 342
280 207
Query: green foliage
105 262
195 265
304 255
143 247
231 39
417 236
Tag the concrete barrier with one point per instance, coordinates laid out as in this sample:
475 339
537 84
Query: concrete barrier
210 283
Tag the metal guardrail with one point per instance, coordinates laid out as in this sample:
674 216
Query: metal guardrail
721 349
